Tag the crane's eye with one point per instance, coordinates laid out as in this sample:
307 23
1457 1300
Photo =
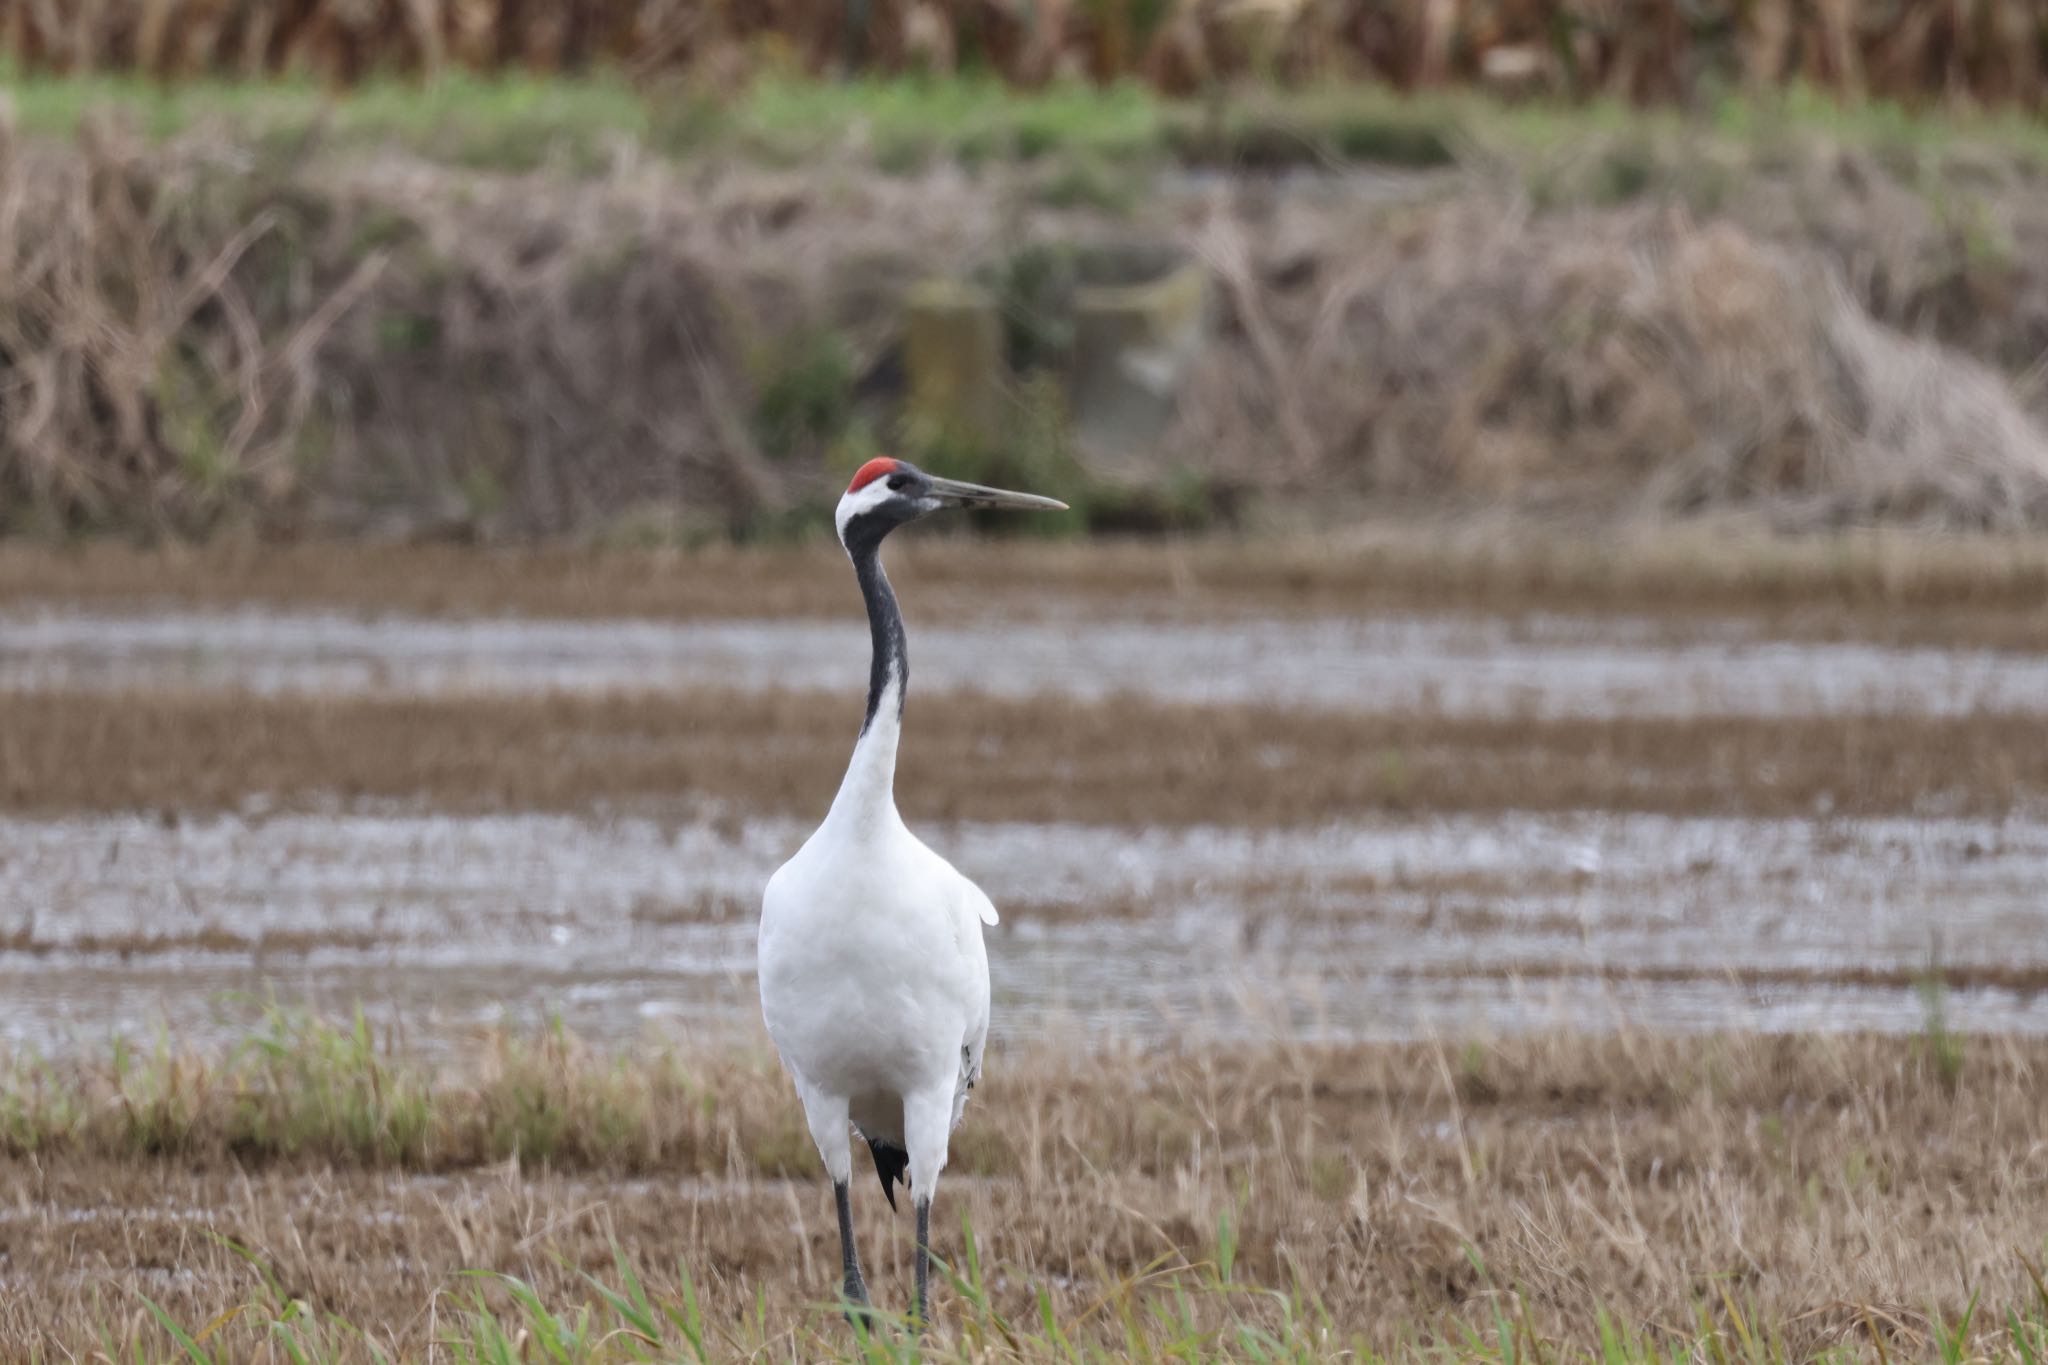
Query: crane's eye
898 482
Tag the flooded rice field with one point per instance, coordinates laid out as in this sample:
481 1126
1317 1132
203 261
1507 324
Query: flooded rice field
1529 910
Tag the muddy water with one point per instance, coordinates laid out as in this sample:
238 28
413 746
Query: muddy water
1388 930
1539 666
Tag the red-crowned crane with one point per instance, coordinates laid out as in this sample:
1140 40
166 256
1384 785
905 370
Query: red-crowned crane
874 979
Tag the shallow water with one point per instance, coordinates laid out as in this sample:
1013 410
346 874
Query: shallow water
1536 665
1386 930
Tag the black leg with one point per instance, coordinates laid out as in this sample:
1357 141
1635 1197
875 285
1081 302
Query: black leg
924 1260
854 1287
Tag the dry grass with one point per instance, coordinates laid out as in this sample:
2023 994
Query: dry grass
1912 52
1124 761
1635 361
1822 1188
218 332
118 408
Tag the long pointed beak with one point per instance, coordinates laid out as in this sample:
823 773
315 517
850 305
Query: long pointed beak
953 493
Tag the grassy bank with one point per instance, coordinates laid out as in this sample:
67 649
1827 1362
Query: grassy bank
514 122
300 1087
1730 1197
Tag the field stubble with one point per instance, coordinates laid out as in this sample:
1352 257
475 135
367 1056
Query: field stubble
1818 1192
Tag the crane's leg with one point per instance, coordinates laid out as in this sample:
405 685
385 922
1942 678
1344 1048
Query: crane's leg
924 1262
853 1287
831 1130
927 1123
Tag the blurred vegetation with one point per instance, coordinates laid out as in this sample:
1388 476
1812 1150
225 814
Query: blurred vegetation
287 336
1663 53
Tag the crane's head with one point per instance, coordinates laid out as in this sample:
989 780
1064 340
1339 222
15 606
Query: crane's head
886 493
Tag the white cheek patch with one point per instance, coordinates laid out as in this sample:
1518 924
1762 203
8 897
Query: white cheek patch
866 498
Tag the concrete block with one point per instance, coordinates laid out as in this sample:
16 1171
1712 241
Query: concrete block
953 349
1140 318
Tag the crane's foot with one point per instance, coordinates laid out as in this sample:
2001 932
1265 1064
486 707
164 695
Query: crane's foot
860 1311
859 1308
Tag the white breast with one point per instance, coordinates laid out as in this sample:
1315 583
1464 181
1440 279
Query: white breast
874 977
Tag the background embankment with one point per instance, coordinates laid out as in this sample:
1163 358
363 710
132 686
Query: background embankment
274 322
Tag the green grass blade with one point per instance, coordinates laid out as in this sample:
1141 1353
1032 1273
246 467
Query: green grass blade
192 1349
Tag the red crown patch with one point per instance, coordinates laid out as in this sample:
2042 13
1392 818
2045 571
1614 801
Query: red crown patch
869 472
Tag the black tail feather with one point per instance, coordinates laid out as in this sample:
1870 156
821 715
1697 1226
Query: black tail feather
892 1164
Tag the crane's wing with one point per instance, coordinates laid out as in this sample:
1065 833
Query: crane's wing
972 1049
967 897
970 1070
975 901
982 905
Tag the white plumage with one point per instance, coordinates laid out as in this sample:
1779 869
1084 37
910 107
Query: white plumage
874 977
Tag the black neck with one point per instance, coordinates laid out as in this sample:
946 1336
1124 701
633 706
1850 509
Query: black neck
891 661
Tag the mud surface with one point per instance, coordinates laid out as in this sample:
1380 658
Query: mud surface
1124 761
1899 589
